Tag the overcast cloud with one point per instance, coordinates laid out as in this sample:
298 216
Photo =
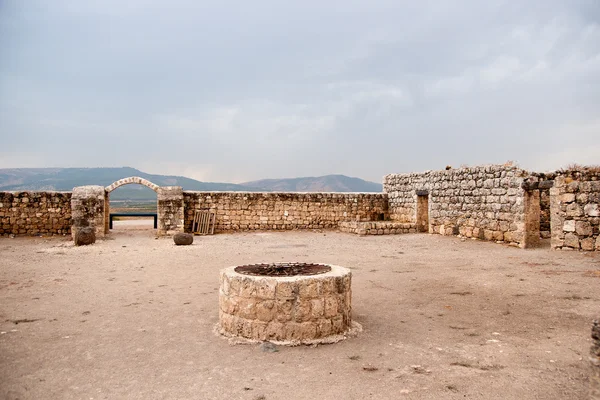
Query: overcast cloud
243 90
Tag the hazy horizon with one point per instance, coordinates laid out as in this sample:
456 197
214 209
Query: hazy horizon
231 91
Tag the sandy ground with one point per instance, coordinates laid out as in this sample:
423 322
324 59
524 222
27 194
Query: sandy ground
133 316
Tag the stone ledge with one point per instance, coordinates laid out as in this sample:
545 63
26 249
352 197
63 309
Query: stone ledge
377 227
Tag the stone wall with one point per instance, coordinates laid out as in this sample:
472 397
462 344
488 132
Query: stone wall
575 208
487 202
240 211
35 213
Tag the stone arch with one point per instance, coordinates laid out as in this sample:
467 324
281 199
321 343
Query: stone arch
119 183
131 179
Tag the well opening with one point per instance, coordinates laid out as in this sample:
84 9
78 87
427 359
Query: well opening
282 269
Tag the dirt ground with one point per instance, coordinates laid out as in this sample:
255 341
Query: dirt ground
132 317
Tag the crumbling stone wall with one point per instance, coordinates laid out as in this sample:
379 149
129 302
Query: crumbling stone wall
88 205
487 202
170 210
239 211
575 208
35 213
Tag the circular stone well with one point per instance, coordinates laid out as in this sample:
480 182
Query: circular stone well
286 303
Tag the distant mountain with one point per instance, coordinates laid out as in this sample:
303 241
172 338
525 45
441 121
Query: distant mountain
65 179
328 183
68 178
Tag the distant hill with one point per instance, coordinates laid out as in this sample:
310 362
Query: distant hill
65 179
68 178
328 183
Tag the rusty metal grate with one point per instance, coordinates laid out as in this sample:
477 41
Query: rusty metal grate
204 223
283 269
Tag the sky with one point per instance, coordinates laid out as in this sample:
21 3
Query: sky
233 91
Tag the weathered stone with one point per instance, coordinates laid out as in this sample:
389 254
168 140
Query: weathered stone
285 290
85 236
587 244
311 289
574 210
265 310
583 228
266 289
569 226
324 328
183 239
268 347
317 307
284 309
567 197
302 312
592 210
571 240
331 307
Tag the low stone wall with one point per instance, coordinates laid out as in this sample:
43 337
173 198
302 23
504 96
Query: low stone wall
483 202
575 208
35 213
240 211
377 227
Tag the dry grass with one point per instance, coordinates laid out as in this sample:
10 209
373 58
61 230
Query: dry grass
580 168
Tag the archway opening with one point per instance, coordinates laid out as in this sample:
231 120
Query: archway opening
131 204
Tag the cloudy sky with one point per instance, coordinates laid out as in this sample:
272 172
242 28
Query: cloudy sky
233 91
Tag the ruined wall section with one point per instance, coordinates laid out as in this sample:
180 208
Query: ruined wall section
575 208
486 202
35 213
88 205
170 210
241 211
